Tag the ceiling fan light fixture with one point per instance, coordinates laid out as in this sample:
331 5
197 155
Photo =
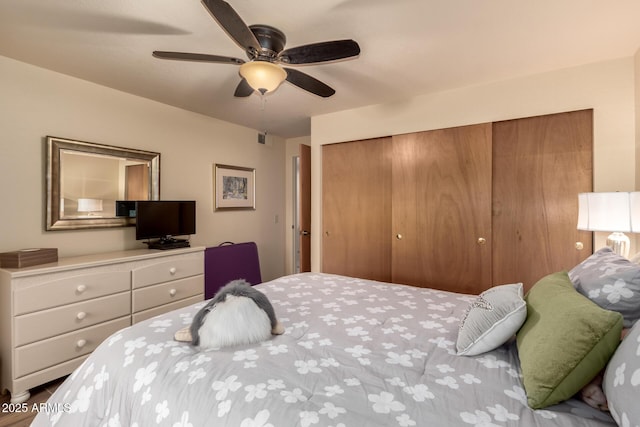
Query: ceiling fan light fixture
263 76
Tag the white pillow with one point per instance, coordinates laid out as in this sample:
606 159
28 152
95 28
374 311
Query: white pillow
491 319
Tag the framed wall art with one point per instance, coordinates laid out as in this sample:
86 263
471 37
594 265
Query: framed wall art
235 187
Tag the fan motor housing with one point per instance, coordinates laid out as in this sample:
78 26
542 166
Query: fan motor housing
271 39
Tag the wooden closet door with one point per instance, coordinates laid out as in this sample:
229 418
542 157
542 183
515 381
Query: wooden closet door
442 207
356 209
540 165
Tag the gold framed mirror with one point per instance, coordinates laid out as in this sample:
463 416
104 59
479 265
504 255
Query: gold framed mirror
84 181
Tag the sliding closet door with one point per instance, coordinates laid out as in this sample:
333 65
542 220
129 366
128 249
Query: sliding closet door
540 165
442 209
356 209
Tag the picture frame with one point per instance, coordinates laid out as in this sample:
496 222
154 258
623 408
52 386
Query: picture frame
234 187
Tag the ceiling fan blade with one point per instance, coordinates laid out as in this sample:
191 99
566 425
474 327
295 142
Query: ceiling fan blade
320 52
243 89
232 23
308 83
201 57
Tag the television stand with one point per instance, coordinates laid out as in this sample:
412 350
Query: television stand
165 244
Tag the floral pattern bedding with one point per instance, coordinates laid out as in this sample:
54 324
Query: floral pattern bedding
355 353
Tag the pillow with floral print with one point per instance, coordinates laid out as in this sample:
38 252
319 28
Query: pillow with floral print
621 382
611 281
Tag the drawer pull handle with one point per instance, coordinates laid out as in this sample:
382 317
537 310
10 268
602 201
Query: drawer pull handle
81 288
173 292
81 343
172 270
81 315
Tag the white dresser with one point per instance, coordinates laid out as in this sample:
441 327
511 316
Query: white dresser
52 316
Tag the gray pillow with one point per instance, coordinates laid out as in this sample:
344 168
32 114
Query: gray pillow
491 319
622 380
611 281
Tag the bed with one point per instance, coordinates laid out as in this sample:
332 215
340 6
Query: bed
355 353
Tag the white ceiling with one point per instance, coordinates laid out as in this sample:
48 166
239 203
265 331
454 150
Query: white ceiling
408 47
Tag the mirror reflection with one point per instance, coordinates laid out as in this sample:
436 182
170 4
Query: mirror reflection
84 181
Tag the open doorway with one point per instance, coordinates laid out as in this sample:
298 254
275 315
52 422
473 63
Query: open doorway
302 210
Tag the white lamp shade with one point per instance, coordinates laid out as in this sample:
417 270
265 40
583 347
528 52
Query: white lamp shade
263 76
89 205
606 211
634 206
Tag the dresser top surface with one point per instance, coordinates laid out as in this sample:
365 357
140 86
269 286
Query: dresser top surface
93 260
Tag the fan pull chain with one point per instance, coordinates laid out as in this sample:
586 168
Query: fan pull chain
262 136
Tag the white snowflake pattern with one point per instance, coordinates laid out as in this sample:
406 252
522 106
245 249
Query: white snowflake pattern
478 418
396 381
619 377
332 390
131 345
146 396
101 378
405 420
181 366
275 384
332 411
308 418
399 359
224 387
224 407
419 392
196 375
153 349
83 399
307 366
444 368
293 396
255 391
518 394
162 411
500 413
261 420
470 379
357 351
278 349
329 362
448 381
352 382
385 402
144 376
617 291
184 421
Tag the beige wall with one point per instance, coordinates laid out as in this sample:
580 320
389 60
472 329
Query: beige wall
35 102
607 87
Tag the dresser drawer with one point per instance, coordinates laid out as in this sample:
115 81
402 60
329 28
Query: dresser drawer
69 290
43 354
56 321
165 293
164 271
156 311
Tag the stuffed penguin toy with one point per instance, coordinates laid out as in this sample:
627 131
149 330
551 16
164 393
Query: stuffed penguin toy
237 314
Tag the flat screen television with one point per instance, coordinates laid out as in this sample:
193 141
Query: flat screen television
165 219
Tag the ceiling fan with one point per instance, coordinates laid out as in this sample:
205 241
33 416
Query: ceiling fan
264 46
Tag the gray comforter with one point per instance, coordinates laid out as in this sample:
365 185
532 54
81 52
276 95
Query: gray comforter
355 353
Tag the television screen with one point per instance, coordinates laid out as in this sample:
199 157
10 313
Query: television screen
163 218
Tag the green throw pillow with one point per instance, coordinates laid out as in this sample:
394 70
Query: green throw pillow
565 341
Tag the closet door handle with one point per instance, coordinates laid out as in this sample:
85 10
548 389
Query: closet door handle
579 246
482 241
399 236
